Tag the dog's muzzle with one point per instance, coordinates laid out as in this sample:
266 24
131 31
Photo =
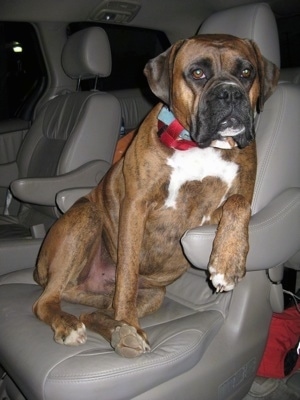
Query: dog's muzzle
224 115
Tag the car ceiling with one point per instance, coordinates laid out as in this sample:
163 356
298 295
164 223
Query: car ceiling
178 18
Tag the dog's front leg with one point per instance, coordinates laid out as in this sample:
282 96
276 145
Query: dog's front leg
230 247
129 335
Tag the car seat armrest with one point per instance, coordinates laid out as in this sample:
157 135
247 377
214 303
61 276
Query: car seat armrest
42 191
276 223
8 173
66 198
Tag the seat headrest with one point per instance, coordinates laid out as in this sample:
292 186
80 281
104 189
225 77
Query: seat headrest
253 21
87 54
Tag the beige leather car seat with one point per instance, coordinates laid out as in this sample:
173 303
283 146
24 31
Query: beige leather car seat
70 143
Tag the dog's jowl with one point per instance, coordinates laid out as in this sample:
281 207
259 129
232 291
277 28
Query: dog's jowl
192 162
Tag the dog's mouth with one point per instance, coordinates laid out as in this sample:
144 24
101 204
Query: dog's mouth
229 133
226 130
231 127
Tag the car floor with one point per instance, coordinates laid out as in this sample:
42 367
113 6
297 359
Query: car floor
275 389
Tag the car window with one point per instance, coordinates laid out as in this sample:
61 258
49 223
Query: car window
289 39
22 70
131 49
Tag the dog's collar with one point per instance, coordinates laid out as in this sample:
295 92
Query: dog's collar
172 133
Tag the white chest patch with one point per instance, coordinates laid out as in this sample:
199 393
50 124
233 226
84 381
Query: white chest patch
194 165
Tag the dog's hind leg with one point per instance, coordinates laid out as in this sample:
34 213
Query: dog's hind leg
69 247
67 328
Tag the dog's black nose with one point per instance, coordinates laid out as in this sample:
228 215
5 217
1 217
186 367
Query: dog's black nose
230 94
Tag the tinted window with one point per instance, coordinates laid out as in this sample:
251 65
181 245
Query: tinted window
289 38
131 49
22 70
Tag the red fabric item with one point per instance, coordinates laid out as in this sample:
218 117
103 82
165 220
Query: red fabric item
280 356
170 136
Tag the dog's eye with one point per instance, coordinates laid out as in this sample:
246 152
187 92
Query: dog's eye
246 73
198 73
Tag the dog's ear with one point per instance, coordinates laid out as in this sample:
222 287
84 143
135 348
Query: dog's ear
159 71
268 74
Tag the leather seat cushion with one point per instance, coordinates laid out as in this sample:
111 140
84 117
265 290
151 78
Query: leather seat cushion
178 335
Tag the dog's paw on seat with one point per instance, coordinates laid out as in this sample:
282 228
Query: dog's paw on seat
127 342
74 337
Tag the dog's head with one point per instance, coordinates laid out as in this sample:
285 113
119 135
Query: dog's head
214 84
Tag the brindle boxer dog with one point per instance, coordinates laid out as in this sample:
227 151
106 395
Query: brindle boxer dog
192 162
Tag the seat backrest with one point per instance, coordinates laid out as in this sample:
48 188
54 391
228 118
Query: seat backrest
135 105
78 127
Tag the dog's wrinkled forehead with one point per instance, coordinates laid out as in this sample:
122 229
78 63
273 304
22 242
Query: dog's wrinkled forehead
220 54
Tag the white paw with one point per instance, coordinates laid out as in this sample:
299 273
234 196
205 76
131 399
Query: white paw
219 281
75 337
